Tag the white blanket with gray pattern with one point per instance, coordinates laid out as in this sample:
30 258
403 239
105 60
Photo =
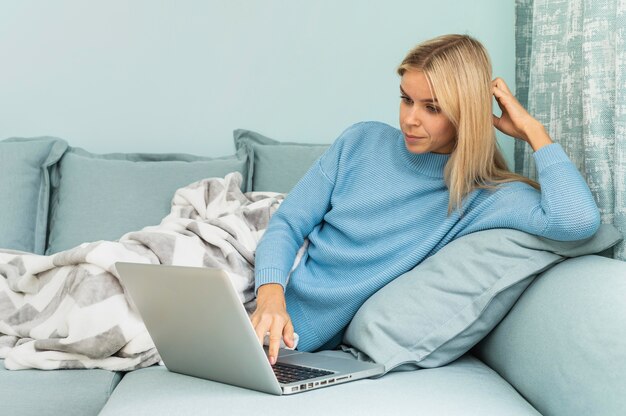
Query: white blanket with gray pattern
68 310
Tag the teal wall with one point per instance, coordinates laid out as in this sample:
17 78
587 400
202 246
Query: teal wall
179 76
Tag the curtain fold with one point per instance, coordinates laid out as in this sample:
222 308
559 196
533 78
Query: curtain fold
570 75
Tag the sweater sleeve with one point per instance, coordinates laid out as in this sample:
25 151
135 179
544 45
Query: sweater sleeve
302 210
564 210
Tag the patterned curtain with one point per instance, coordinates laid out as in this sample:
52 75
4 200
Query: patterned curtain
571 76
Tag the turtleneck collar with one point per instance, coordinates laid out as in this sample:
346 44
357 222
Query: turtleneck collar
429 164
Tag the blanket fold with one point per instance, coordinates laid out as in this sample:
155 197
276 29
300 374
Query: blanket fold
69 310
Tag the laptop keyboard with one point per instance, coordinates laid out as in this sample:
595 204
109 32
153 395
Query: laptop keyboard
288 373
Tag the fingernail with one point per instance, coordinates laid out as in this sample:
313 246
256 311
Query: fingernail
272 360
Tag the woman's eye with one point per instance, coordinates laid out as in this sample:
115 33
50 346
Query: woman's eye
432 109
406 99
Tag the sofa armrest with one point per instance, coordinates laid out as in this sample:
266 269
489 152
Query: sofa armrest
563 345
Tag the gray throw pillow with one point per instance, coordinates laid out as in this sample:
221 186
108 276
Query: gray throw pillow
276 166
439 310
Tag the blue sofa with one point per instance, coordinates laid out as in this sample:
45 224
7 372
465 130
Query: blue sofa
561 350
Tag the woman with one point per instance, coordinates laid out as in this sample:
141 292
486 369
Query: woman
381 200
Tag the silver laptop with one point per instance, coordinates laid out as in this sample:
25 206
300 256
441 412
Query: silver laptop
200 328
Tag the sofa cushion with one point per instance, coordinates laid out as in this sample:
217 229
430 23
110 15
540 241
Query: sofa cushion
25 191
563 345
464 387
276 166
102 197
57 392
436 312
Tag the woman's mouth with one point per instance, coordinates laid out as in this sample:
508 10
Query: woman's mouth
413 139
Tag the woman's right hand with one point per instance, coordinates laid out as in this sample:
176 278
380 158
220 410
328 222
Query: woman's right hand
271 315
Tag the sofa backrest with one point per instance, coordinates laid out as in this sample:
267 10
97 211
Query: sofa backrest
25 191
55 197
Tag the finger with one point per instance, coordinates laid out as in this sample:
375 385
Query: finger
498 82
496 120
502 85
499 101
288 334
504 100
260 329
276 332
498 92
254 318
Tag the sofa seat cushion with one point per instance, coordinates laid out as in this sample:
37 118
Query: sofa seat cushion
464 387
56 392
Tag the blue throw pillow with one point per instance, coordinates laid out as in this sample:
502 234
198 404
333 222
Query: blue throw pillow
25 191
102 197
276 166
436 312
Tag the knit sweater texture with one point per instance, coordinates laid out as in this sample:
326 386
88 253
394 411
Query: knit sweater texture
372 211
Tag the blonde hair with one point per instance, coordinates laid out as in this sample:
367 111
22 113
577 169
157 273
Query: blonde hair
458 70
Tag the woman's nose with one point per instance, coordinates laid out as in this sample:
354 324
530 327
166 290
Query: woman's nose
412 118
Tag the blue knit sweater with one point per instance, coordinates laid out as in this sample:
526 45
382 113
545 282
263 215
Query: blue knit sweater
372 211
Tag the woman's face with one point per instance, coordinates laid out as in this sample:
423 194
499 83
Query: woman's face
425 127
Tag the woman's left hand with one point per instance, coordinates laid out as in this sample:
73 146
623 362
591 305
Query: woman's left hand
514 120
